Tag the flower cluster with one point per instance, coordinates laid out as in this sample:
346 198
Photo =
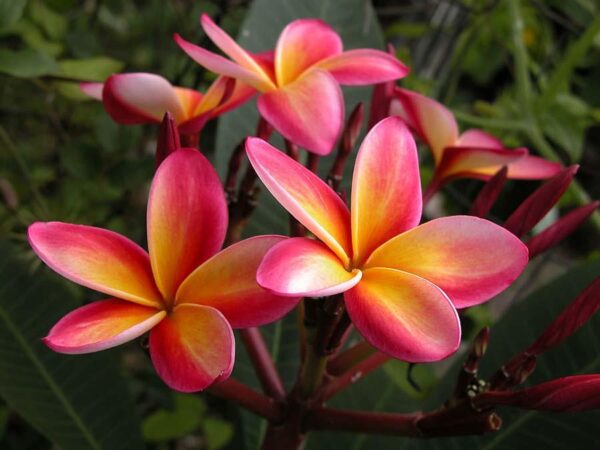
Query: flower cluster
402 281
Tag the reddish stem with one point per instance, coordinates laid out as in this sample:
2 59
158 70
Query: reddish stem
190 140
351 376
312 163
362 422
263 363
433 186
445 422
248 398
348 358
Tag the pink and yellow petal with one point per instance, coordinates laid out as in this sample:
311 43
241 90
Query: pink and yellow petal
533 168
301 44
240 94
386 188
98 259
187 218
482 163
233 50
403 315
364 66
227 282
93 90
218 64
478 139
469 258
101 325
309 112
304 195
304 267
189 100
432 121
192 348
132 98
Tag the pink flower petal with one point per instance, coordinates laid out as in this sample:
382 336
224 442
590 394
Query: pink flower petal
98 259
364 66
304 195
432 121
192 348
93 90
240 94
404 315
101 325
189 100
304 267
233 50
309 112
469 258
471 162
301 44
223 66
386 187
479 139
132 98
223 95
227 282
187 218
533 168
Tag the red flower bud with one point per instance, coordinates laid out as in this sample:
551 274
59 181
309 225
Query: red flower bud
537 205
381 98
560 230
168 138
489 194
570 320
568 394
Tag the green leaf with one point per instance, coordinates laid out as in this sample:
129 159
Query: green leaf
85 69
53 24
3 421
165 425
90 69
26 63
78 402
217 433
11 11
354 20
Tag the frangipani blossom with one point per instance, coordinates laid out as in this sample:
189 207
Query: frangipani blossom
472 154
402 282
300 90
135 98
185 293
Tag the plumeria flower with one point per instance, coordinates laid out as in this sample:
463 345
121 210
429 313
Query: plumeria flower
402 282
136 98
300 89
185 293
472 154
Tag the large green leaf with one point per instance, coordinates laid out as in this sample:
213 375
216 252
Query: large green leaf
354 20
78 402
